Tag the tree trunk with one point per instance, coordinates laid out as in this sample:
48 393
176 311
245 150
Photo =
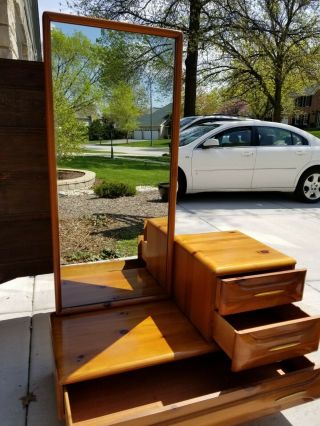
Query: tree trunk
277 107
192 59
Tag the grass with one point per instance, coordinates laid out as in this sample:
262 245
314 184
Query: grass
137 172
315 133
159 143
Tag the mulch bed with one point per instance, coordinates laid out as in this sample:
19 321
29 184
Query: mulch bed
69 174
93 228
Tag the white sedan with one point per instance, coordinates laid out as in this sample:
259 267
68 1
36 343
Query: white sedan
249 156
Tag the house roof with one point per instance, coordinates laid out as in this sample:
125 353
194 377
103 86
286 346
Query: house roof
308 91
158 116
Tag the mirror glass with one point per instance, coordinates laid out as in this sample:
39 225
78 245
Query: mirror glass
112 103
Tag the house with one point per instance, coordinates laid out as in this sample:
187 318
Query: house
20 31
308 109
158 123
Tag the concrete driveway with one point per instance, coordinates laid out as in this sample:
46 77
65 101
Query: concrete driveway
277 220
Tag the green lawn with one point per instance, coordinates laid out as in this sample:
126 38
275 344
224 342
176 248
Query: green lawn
138 172
160 143
315 133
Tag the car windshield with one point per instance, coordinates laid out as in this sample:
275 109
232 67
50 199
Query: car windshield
193 133
186 120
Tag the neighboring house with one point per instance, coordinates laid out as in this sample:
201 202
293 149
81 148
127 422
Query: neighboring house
308 109
159 123
19 30
86 119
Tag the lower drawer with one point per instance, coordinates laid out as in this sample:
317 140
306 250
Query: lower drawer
199 391
268 335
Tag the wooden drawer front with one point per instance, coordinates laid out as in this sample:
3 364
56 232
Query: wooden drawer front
268 335
178 395
242 294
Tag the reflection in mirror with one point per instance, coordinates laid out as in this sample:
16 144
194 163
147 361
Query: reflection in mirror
112 101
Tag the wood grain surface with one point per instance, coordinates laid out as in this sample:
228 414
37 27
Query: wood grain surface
200 391
104 282
233 252
24 188
101 343
268 335
157 250
248 293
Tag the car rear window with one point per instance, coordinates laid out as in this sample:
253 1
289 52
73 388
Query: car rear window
276 136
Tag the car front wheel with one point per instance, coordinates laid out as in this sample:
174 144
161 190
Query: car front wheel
308 188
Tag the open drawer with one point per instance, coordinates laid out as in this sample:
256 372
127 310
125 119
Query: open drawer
247 293
197 391
268 335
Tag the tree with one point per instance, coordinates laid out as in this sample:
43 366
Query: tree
208 103
266 47
122 108
134 59
193 17
256 44
75 73
76 69
70 133
96 130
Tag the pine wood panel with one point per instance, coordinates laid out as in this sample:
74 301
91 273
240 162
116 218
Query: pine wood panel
184 393
268 335
101 343
233 252
248 293
24 188
90 285
194 290
202 258
157 249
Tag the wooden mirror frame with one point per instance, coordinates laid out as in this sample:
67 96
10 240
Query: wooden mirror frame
49 17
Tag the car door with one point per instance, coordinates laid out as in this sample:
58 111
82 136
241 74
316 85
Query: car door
281 154
227 166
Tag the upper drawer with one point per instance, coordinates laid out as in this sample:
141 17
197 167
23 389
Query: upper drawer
269 335
252 292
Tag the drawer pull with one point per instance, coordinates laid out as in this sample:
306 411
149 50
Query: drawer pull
288 345
268 293
292 396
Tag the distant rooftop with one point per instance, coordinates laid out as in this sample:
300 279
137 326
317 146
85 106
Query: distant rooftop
159 115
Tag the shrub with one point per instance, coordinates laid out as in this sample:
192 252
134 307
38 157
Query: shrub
114 190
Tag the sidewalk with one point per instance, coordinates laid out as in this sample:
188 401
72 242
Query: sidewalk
26 365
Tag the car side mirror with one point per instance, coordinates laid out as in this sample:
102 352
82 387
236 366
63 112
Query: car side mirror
210 143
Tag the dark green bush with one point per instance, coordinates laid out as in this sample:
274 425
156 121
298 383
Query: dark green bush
103 129
114 190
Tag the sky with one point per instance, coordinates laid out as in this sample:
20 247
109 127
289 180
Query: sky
51 6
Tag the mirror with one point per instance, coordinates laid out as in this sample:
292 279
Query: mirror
113 101
209 143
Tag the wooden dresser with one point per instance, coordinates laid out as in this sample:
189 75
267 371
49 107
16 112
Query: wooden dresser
238 292
161 363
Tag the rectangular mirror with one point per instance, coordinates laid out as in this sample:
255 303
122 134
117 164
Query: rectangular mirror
113 107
